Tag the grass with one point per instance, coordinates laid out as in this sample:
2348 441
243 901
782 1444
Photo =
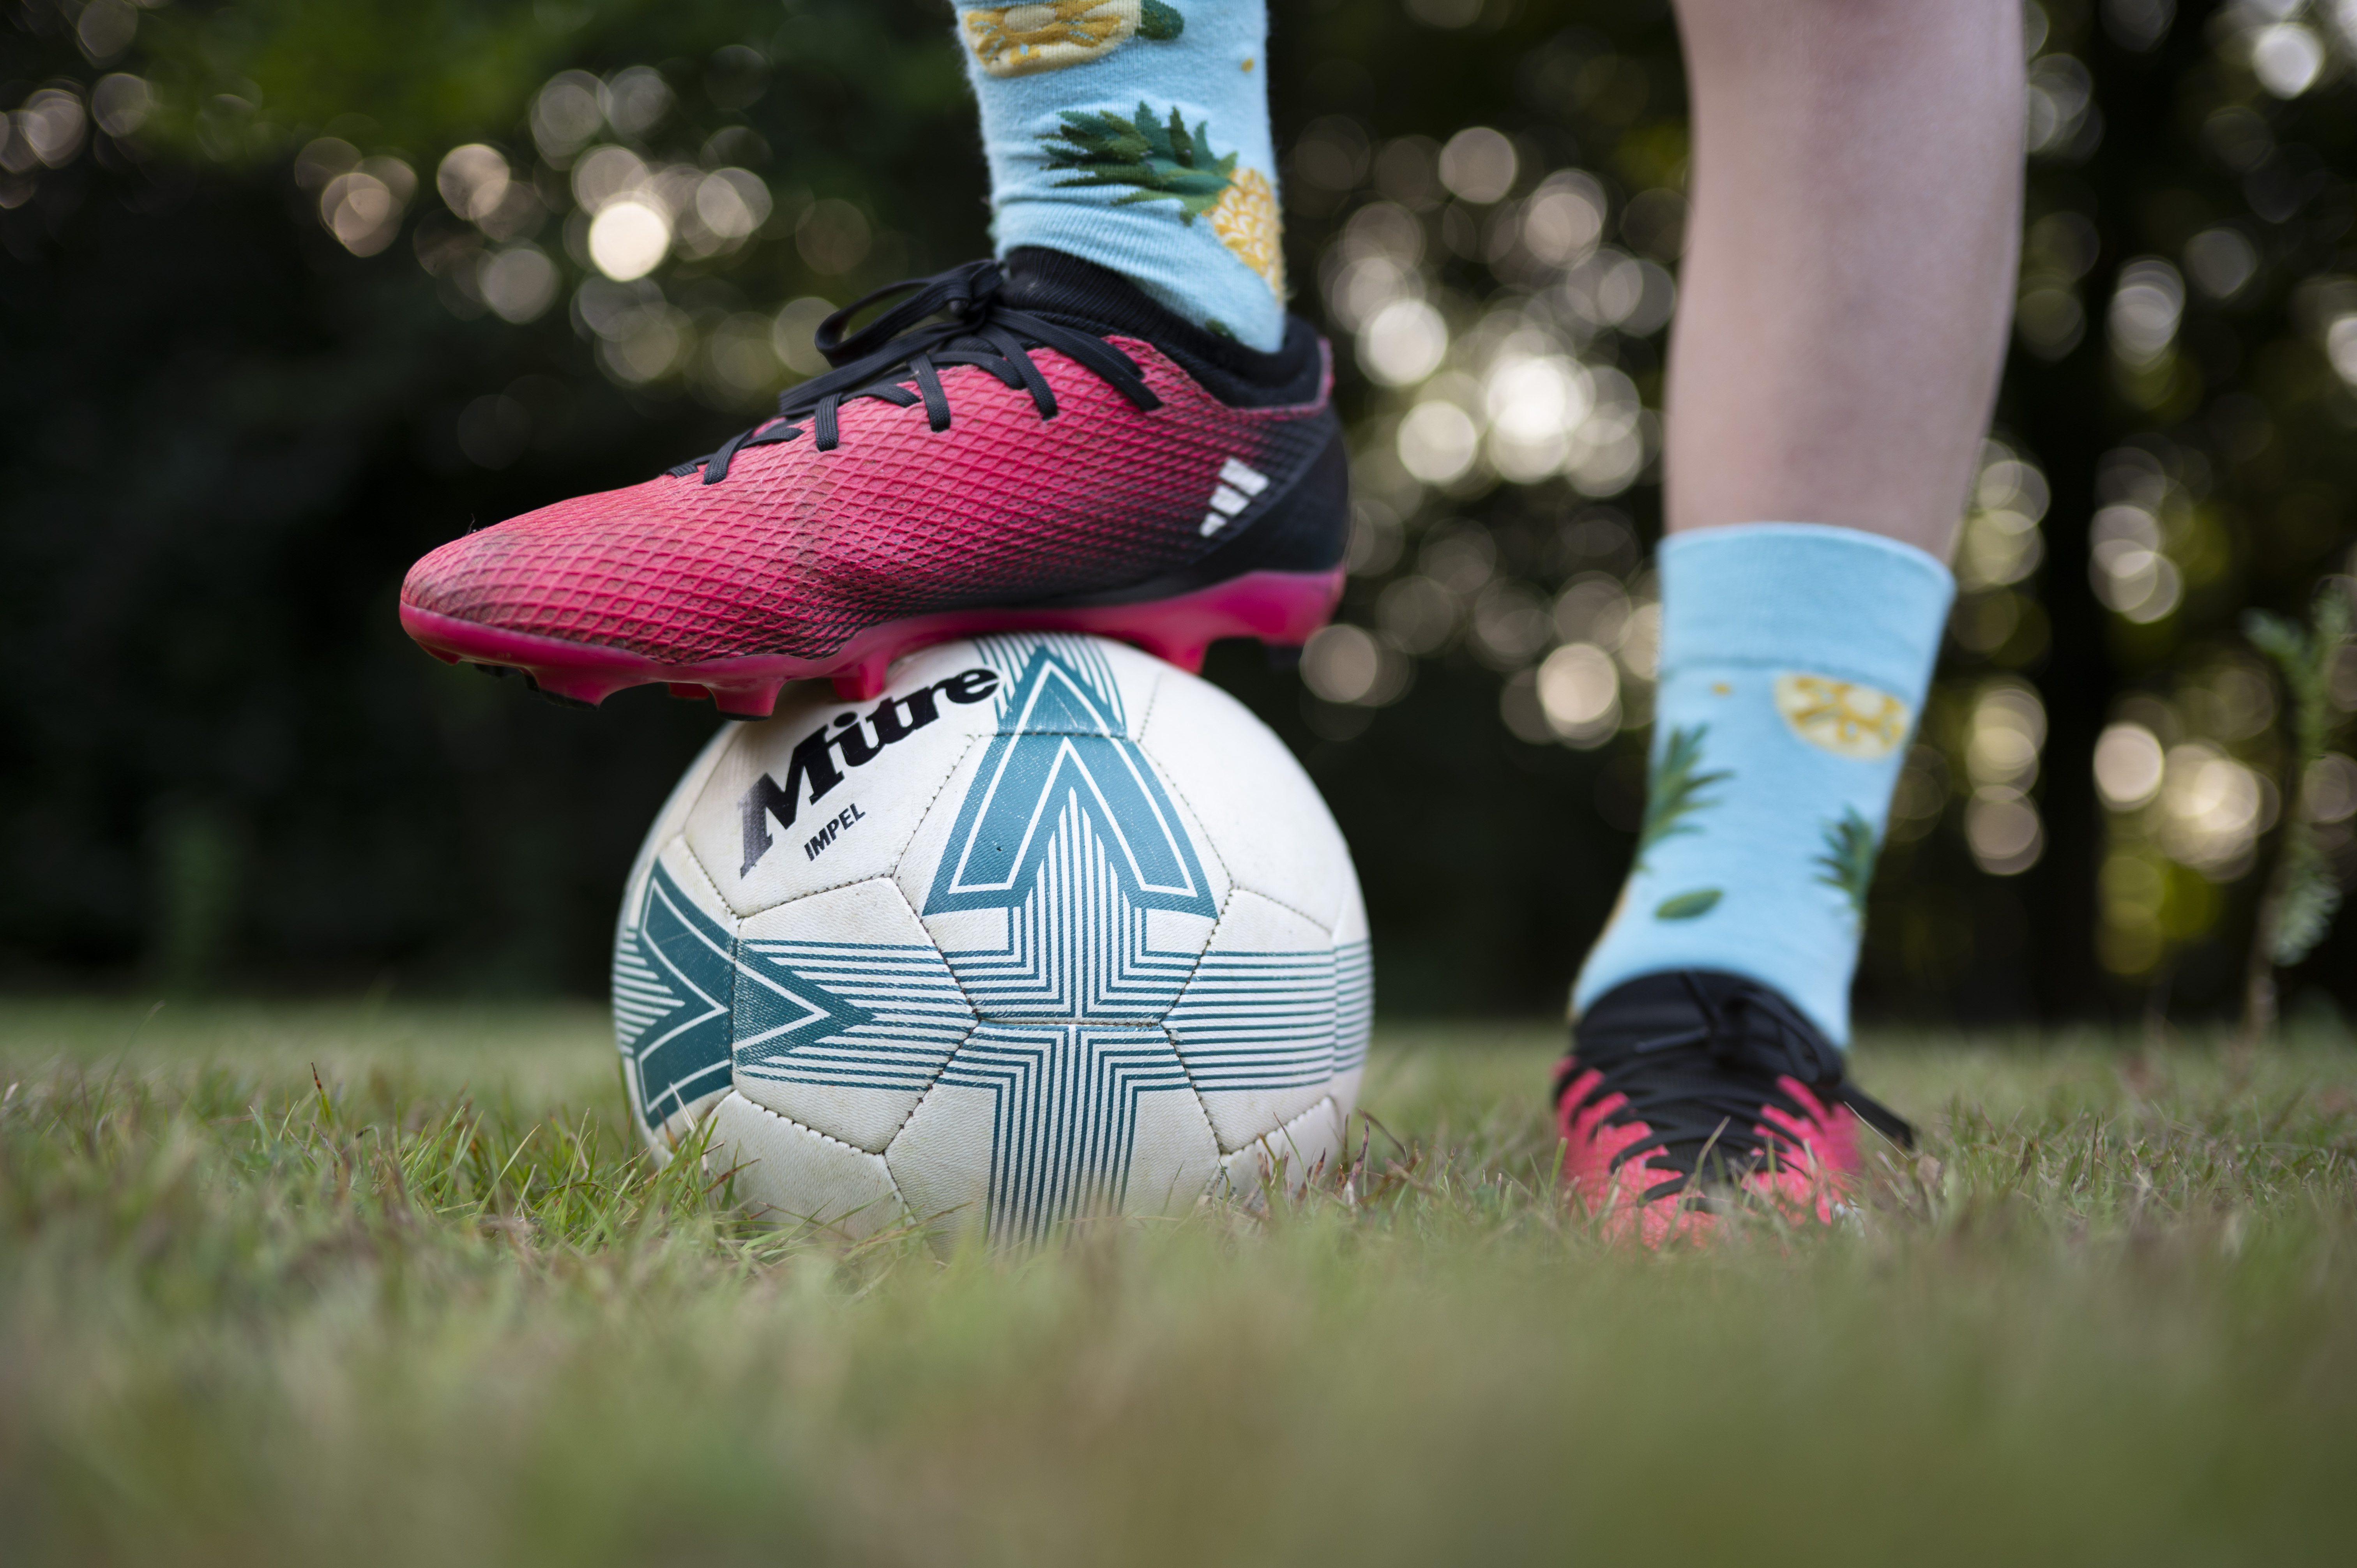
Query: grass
432 1307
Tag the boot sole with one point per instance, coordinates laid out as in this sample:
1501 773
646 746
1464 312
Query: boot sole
1279 608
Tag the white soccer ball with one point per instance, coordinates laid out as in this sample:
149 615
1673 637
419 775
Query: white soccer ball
1052 929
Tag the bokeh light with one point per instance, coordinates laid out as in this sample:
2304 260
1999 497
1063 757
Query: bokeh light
120 105
1640 643
1438 441
1478 165
2060 105
106 28
2004 737
1536 406
1510 625
2222 262
1563 219
629 239
2213 808
1403 342
2126 567
2056 252
2328 789
2001 544
2340 347
50 126
2004 831
636 100
1377 540
360 200
473 180
607 173
1332 153
519 284
2286 58
2140 25
641 337
790 335
738 367
1579 690
2185 813
2128 766
1593 608
1419 614
832 236
1342 663
2146 309
566 113
1349 666
732 203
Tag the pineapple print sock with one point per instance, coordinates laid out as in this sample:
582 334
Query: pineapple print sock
1794 660
1133 133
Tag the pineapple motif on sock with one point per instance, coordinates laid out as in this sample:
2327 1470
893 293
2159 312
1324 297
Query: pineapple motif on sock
1673 794
1161 160
1023 41
1863 724
1848 860
1073 169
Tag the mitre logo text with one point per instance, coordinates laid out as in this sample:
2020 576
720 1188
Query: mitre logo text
814 761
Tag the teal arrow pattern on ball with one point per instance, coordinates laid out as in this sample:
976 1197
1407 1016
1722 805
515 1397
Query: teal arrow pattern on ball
674 990
1062 747
1067 1024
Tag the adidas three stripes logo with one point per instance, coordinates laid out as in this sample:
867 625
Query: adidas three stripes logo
1237 487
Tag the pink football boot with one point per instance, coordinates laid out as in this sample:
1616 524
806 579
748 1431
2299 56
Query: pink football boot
1035 443
1691 1093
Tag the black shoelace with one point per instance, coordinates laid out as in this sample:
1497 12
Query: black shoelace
1700 1090
977 329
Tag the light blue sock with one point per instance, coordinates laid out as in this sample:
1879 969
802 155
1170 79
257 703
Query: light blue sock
1794 660
1133 133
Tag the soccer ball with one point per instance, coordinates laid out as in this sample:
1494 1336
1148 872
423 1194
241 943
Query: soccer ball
1054 929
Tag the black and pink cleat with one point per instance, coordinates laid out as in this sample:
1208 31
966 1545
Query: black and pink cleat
1032 446
1691 1093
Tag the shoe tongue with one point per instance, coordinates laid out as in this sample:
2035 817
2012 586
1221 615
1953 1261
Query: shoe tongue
1097 300
1082 294
1742 1022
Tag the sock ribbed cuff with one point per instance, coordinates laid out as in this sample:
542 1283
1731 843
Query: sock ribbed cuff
1840 601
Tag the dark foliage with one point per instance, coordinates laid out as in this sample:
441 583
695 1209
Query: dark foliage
224 436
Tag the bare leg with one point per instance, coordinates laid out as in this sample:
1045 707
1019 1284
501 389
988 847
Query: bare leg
1857 191
1849 274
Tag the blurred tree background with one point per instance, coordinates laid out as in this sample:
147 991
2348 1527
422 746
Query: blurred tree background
293 291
